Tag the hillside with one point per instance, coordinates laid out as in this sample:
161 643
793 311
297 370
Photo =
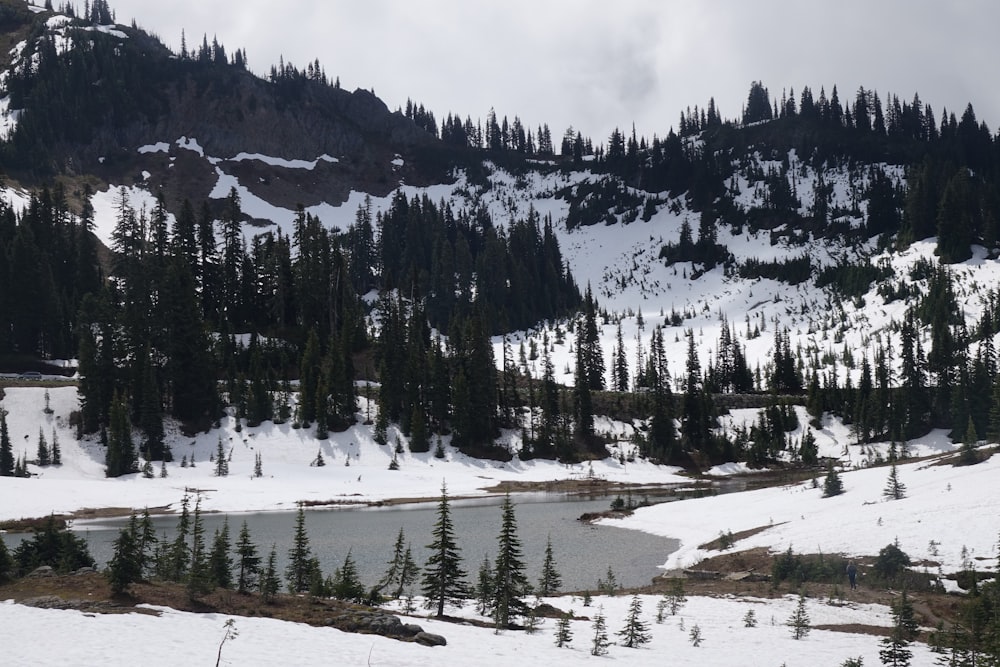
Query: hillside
268 291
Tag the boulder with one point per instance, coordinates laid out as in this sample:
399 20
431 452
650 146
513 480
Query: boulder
430 639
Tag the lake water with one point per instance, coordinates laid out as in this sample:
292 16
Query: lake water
582 552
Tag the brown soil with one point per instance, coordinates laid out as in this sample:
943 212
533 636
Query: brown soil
90 592
929 608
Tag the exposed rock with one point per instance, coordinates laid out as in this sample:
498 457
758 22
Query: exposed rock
429 639
377 622
43 571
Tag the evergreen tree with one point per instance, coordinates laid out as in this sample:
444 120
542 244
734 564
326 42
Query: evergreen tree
6 563
509 580
895 651
270 584
675 596
146 541
799 620
484 587
832 485
346 584
248 562
199 579
178 555
894 489
599 644
42 456
56 449
402 570
220 563
120 458
636 631
221 462
6 449
564 631
550 582
125 566
299 567
444 579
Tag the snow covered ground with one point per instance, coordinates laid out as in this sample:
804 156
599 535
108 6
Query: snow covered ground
179 638
957 508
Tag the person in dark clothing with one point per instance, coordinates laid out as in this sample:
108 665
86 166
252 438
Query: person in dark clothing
852 574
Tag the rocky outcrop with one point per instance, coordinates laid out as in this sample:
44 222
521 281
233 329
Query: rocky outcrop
377 622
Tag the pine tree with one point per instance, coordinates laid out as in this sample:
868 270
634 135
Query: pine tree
248 562
298 570
56 449
484 587
832 486
258 466
894 489
444 579
799 620
199 577
120 457
402 571
599 644
178 555
146 541
6 563
675 596
346 584
510 582
42 457
125 566
6 449
221 462
550 582
220 564
270 584
636 631
564 631
895 651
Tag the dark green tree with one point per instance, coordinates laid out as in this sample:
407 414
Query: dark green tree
509 581
220 563
402 570
894 488
599 644
6 564
636 631
248 561
564 631
484 587
895 651
43 456
270 584
178 555
444 580
120 458
58 548
832 486
550 581
799 620
6 449
346 583
125 566
199 579
299 567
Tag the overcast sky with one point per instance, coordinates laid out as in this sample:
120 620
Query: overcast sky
598 65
